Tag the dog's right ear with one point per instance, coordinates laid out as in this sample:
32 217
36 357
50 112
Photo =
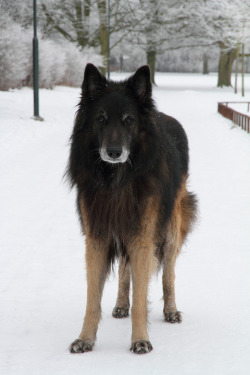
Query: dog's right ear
140 83
93 81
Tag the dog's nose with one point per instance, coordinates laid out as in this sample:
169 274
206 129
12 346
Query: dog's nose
114 152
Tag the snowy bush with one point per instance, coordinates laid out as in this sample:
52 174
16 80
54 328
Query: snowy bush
183 60
75 63
60 63
63 63
15 54
52 67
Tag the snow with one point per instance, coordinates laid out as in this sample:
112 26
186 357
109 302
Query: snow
243 108
42 278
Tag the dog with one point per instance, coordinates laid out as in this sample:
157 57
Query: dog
129 163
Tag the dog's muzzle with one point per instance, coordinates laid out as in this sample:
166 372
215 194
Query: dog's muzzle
114 154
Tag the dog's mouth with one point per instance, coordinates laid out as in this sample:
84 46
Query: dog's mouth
114 154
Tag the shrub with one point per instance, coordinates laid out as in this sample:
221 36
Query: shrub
15 55
60 63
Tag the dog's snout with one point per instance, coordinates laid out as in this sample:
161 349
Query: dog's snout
114 152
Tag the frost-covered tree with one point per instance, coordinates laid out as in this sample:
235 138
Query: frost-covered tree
141 31
161 25
175 24
15 56
60 61
63 63
71 20
19 11
225 23
85 22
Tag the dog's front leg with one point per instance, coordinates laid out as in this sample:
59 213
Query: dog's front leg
142 265
97 269
141 251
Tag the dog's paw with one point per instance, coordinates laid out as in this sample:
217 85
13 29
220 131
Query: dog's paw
80 346
120 312
141 347
173 317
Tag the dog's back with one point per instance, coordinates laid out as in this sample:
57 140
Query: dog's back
174 134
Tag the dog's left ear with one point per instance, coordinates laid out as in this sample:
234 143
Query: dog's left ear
93 81
140 83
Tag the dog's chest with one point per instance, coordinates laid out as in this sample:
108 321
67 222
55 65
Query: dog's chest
115 214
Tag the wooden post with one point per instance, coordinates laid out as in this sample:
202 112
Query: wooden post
236 68
243 69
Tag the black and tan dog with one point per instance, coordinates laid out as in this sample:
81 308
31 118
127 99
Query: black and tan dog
129 163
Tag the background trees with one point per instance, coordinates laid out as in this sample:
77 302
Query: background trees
225 23
170 35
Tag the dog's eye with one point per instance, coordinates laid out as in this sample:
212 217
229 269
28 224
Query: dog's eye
129 121
101 119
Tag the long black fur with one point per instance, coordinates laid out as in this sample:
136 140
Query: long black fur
115 195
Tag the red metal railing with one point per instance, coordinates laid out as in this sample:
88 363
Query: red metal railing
238 118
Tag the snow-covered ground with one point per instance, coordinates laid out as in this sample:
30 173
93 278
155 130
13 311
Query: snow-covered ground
42 280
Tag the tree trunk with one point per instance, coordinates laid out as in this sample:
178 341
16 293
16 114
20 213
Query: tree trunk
82 22
205 64
77 16
151 59
121 62
103 31
236 69
227 57
82 38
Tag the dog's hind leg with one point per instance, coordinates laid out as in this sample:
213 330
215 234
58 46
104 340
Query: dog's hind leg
168 280
183 216
121 309
171 251
97 269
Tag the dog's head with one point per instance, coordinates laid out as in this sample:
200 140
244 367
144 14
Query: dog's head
113 111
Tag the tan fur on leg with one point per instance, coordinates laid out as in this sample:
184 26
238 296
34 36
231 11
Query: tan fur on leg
97 270
141 252
121 308
177 230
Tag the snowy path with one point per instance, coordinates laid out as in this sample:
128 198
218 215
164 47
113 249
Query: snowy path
42 281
